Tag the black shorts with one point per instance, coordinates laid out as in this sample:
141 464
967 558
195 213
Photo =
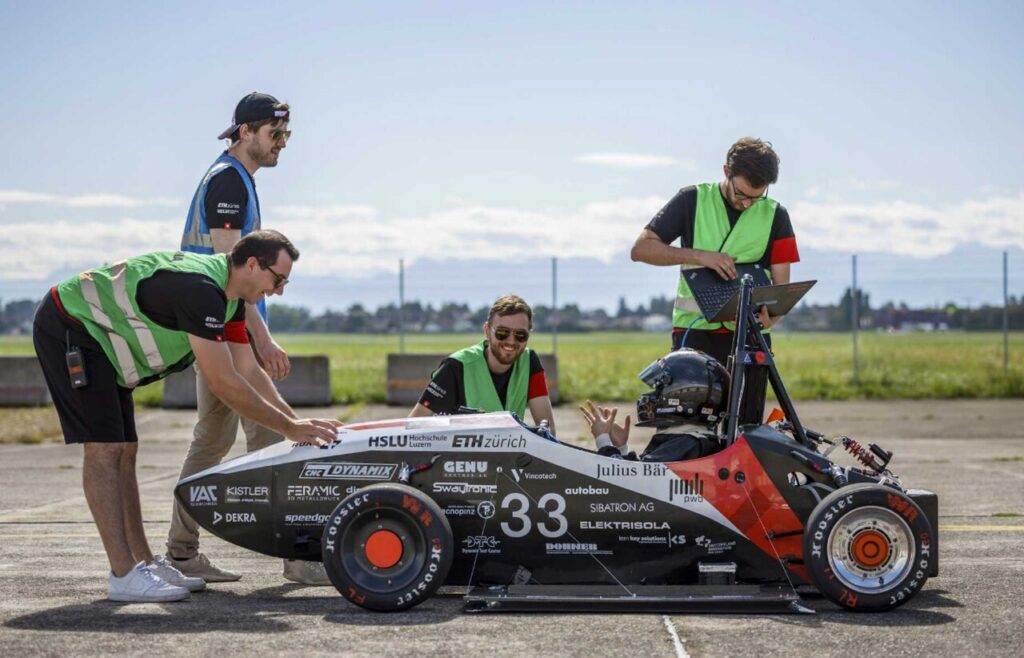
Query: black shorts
101 411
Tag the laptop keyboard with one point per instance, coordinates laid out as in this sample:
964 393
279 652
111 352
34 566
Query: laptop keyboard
712 298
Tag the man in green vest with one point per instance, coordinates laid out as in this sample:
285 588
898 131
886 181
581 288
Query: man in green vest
719 225
500 373
103 332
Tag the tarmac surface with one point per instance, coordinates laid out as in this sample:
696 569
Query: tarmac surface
53 569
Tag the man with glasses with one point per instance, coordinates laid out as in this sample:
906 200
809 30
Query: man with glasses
499 373
719 225
225 208
102 333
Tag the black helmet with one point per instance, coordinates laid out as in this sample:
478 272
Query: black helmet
689 387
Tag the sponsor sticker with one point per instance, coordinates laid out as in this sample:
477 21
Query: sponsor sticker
233 517
203 494
305 519
624 525
690 489
475 469
519 475
586 491
573 548
487 442
317 492
247 494
621 508
481 545
712 547
465 488
347 471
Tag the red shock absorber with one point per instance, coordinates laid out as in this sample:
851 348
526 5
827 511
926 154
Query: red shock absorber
862 454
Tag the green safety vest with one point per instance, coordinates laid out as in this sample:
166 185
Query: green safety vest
746 243
479 386
104 301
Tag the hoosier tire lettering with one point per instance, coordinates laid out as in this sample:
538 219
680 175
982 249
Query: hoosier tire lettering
868 548
418 554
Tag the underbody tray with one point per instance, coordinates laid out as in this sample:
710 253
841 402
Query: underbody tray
717 599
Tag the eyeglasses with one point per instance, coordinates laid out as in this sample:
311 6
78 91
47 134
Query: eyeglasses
521 335
740 196
280 280
280 135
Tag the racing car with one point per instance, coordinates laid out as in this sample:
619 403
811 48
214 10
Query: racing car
396 509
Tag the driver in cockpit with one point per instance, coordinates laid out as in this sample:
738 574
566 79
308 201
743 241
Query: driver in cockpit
689 393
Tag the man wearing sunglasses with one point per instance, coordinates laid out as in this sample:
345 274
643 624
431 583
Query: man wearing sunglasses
102 333
719 225
499 373
224 209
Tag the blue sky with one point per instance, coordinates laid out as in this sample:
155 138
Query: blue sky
477 140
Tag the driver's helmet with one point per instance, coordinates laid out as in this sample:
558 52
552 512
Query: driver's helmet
690 387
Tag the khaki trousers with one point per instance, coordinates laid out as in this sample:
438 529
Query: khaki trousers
212 438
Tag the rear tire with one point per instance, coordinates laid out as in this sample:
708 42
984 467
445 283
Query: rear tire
387 547
868 547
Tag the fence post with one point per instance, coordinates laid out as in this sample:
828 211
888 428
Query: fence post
855 322
554 304
1006 315
401 306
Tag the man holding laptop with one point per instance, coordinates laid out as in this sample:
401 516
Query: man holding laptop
719 225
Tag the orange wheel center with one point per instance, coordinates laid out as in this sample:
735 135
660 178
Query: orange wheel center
383 549
870 549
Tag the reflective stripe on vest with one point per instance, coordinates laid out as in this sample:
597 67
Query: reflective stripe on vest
746 242
196 237
104 301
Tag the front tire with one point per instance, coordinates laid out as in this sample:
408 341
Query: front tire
387 547
868 547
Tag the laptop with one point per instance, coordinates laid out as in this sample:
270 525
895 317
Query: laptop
719 299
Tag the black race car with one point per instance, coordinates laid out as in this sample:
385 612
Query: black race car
396 509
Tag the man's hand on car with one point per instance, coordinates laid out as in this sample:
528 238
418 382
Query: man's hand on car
315 431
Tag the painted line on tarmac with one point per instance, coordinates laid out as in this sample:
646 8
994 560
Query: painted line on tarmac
677 642
981 528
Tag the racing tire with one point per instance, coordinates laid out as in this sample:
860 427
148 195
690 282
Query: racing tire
868 547
387 547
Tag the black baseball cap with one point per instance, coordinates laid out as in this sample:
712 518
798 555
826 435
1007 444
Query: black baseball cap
254 107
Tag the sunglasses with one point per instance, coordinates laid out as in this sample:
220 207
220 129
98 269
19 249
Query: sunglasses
280 280
281 135
521 335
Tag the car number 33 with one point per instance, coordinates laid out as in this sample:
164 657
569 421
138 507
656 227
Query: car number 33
521 524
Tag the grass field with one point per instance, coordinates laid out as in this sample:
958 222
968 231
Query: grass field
603 366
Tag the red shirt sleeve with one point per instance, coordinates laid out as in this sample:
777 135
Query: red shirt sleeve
538 386
784 250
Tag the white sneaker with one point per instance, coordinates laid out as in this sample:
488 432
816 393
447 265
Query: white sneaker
140 585
305 572
166 572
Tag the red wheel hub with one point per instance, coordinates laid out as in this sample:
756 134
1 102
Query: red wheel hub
383 549
870 549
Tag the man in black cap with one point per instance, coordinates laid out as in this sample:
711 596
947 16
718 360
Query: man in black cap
225 208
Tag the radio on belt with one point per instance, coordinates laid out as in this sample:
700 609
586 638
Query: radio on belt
76 367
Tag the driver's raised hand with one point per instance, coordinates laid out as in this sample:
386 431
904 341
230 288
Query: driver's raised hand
318 431
602 421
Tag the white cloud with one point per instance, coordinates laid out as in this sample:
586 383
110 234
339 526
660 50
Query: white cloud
628 160
98 200
361 240
910 229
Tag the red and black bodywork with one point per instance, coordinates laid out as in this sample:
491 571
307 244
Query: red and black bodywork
395 509
524 509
